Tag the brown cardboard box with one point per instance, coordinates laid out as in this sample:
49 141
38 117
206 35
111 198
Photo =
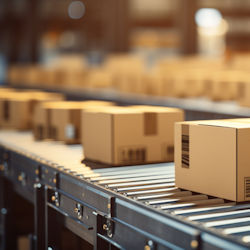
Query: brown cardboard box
243 97
41 120
4 89
212 157
190 83
167 84
195 82
16 74
68 70
131 135
224 85
173 84
130 82
39 75
125 70
61 121
152 83
99 78
16 109
23 242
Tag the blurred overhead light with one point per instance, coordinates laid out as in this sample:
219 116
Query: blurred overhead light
76 10
208 18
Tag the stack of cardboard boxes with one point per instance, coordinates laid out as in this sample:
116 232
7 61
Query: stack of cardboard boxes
16 108
61 121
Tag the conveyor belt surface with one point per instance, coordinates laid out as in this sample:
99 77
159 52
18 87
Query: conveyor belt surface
153 185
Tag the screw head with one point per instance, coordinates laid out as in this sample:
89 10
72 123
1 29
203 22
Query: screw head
109 233
150 243
194 243
37 185
3 211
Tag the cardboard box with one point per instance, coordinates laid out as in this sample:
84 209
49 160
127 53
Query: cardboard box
16 109
61 121
99 78
16 74
152 83
167 85
131 135
23 242
4 89
39 75
130 82
41 119
212 157
190 83
126 71
173 84
196 82
243 97
224 86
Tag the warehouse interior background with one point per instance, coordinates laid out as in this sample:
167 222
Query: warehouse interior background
193 55
34 31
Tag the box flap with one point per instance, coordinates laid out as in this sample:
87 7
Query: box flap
225 123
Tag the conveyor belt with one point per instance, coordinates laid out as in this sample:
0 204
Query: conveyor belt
153 185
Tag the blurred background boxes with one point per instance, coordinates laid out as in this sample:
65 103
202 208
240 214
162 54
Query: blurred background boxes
61 121
16 108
